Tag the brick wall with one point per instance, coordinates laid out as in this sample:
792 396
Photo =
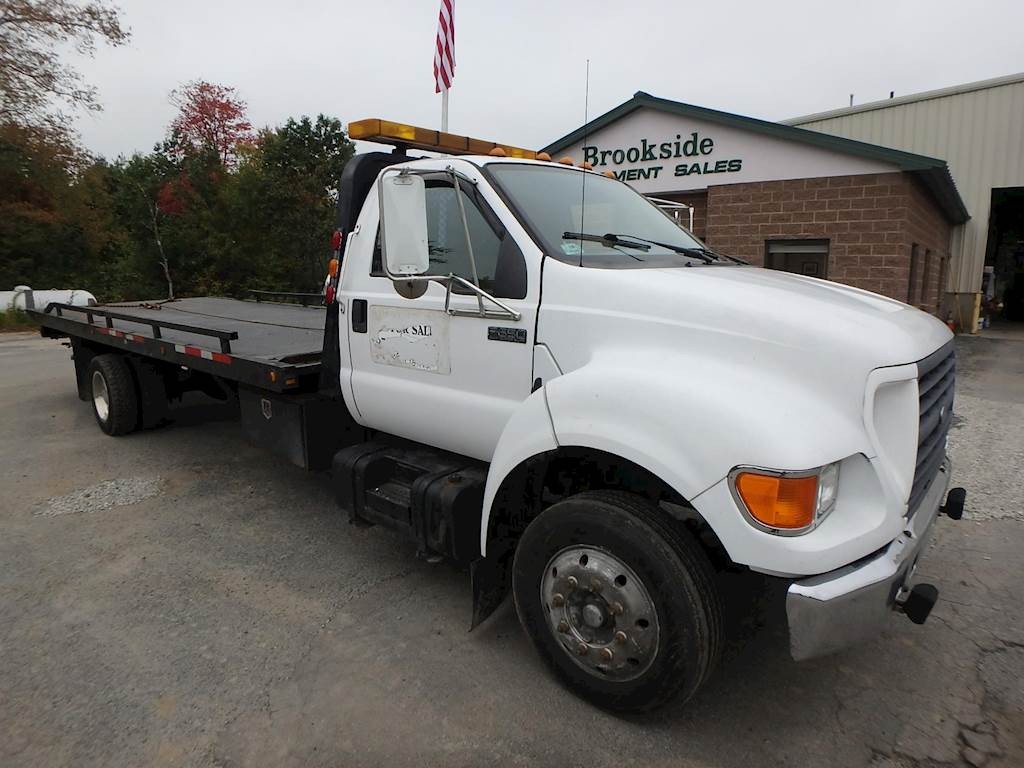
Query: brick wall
699 202
928 228
870 221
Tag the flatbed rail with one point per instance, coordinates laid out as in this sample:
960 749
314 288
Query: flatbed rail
225 337
276 347
305 299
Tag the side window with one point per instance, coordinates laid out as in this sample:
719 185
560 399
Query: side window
446 237
499 262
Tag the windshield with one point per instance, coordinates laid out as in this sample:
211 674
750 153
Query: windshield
572 211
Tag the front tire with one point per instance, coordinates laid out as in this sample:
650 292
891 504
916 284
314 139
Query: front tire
620 603
115 403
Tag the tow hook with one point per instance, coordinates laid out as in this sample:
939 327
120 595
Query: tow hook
918 602
954 506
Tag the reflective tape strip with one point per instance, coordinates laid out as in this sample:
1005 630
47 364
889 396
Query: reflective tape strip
181 349
206 354
120 334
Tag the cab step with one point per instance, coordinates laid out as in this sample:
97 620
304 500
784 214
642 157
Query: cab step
432 496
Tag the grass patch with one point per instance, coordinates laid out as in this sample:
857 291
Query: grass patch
16 320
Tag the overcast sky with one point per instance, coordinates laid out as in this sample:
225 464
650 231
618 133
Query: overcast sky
520 64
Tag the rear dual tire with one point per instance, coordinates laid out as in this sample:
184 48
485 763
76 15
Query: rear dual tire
115 403
619 602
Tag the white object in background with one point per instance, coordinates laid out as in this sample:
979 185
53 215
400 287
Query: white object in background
23 297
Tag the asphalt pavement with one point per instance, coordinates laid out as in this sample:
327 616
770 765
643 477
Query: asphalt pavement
176 597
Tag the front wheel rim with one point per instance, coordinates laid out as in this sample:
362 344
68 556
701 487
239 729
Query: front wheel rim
100 396
600 613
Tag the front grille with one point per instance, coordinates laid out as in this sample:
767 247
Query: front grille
935 383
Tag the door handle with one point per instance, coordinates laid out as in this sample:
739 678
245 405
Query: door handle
358 315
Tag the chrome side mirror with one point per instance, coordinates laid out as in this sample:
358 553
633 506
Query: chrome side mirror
403 211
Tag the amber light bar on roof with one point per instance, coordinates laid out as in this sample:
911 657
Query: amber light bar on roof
399 134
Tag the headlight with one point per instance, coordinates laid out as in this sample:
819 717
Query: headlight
785 503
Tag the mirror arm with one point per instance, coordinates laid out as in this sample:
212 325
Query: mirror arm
507 311
481 295
465 230
464 177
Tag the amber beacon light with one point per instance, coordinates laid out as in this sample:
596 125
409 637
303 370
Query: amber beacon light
402 135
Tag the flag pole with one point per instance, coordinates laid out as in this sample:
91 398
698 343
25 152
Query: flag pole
444 56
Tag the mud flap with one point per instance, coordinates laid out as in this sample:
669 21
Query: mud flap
154 407
82 355
492 579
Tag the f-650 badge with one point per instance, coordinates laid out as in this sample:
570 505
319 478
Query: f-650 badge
503 333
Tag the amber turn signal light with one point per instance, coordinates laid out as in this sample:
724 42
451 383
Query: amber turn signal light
779 502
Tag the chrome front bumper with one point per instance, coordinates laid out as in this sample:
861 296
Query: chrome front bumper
853 603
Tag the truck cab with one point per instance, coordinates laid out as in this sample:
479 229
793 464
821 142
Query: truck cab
619 387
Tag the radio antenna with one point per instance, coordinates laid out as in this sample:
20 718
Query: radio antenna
583 187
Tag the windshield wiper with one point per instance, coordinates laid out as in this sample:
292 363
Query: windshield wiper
699 252
609 239
723 256
703 254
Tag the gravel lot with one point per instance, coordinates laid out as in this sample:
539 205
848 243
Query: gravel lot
176 597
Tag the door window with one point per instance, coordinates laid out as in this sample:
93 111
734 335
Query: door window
446 237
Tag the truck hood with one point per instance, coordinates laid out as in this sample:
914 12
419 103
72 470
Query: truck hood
805 313
746 323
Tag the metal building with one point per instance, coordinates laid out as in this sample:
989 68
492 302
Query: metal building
978 129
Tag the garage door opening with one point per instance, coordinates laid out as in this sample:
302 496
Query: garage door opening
1003 281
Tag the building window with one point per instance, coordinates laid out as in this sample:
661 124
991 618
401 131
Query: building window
926 278
802 257
941 282
913 282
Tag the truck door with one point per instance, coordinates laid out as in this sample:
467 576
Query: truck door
450 381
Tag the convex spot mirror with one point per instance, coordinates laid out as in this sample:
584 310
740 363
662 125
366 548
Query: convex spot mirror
404 218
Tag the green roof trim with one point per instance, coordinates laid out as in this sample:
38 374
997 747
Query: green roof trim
934 173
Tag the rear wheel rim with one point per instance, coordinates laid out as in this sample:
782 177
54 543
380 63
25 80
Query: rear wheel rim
100 396
600 613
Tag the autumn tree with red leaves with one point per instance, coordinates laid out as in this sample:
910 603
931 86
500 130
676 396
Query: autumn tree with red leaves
210 117
213 209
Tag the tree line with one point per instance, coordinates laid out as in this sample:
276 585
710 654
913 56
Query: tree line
216 207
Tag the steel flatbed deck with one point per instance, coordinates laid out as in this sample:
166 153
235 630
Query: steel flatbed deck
269 345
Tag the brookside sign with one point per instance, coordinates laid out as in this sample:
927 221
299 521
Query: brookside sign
694 150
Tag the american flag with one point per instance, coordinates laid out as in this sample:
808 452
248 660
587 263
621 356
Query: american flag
444 56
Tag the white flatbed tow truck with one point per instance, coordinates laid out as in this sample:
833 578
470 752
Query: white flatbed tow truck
530 369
